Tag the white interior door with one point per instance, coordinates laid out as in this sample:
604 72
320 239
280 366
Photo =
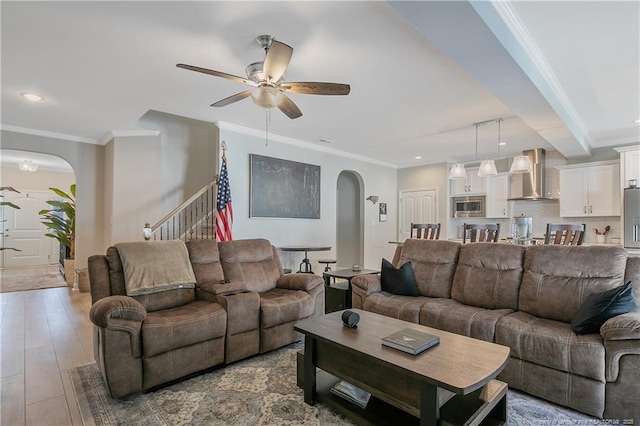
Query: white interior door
417 206
23 230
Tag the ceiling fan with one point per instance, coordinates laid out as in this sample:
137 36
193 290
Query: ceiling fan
267 80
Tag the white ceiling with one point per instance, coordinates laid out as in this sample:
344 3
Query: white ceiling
421 73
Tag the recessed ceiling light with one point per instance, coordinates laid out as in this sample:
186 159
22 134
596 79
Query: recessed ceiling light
637 121
502 143
418 157
32 97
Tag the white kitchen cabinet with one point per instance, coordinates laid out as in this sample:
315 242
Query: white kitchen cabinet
471 185
497 188
631 167
590 190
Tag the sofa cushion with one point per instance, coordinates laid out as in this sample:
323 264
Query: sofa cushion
552 344
452 316
280 306
433 262
400 280
558 279
488 275
253 262
205 261
185 325
151 302
406 308
599 307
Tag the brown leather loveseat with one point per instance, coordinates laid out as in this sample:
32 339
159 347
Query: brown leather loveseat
238 303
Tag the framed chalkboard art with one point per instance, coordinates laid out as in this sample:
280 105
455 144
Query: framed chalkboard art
283 188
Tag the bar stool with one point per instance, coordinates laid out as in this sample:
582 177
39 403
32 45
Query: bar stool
327 262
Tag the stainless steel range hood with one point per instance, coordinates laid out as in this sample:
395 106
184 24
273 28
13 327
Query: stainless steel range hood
533 183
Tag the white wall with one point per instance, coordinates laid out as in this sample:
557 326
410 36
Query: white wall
88 165
378 180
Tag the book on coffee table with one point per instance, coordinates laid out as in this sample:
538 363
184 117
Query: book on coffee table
351 393
411 341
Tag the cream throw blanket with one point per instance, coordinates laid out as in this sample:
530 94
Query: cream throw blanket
154 266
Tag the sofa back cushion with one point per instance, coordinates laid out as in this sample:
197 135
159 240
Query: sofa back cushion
205 261
152 302
558 279
433 262
488 275
255 263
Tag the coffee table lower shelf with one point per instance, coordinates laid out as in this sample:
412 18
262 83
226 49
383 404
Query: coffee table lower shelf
486 406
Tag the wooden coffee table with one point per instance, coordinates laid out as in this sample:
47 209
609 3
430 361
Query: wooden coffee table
452 382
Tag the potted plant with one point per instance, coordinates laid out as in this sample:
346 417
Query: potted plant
61 222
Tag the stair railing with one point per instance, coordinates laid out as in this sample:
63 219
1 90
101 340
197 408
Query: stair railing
194 219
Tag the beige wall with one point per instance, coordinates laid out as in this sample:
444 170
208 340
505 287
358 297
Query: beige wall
39 180
377 180
87 161
427 177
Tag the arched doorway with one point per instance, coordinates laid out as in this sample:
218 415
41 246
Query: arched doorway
22 228
349 219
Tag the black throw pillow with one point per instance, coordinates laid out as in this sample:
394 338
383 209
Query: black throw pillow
599 307
400 280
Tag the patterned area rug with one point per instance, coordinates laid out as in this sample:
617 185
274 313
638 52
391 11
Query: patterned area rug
22 279
258 391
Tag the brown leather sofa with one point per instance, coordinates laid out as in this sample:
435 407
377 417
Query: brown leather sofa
242 304
524 298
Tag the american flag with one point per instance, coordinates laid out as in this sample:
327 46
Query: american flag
224 213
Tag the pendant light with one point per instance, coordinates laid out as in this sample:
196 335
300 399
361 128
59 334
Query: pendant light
488 167
457 171
521 164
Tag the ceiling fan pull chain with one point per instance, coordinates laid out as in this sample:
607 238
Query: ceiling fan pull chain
266 126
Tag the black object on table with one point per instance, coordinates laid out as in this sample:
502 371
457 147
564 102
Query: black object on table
305 265
337 295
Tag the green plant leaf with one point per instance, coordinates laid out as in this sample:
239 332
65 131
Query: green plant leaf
9 204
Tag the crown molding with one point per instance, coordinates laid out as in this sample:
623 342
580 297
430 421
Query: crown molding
518 30
299 143
127 134
47 134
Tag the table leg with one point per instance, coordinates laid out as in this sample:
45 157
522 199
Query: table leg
348 301
309 384
429 405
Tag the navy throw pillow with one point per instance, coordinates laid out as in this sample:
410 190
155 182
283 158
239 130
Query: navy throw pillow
599 307
400 280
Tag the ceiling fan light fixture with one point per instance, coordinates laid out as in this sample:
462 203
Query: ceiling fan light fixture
521 164
457 171
487 168
266 96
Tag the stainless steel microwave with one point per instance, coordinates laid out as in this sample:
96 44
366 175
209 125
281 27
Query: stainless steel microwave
471 206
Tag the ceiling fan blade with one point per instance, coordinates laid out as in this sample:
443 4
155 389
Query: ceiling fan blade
217 74
233 98
290 109
316 88
276 61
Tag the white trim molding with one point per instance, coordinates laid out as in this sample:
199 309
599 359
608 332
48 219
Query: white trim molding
47 134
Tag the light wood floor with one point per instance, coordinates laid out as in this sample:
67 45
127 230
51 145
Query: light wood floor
43 333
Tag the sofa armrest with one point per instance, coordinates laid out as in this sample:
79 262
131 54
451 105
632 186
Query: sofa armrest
300 281
622 327
366 284
116 307
218 288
